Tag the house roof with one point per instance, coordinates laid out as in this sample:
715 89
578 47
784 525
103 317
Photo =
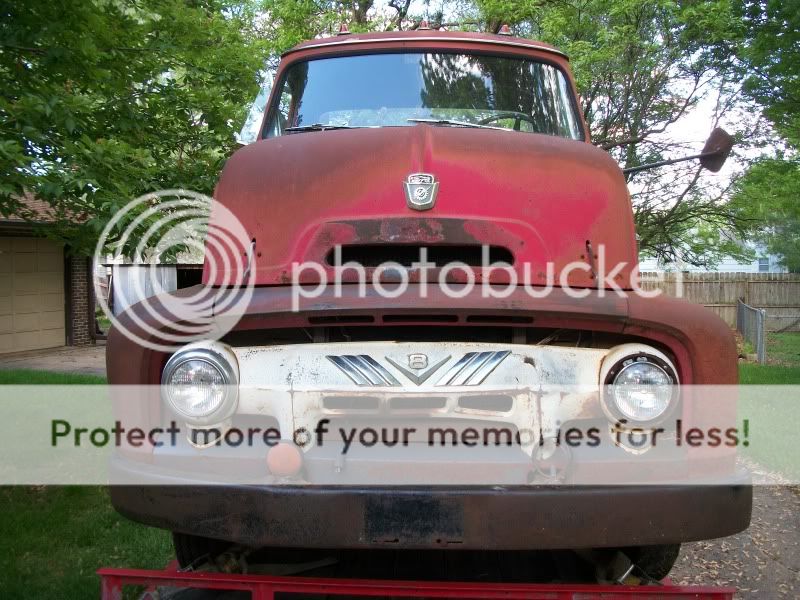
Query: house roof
34 210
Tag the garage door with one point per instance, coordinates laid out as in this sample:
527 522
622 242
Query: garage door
31 294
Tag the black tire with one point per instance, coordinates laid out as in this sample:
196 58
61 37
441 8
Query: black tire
194 551
655 561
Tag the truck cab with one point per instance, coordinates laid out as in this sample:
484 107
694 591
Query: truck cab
457 168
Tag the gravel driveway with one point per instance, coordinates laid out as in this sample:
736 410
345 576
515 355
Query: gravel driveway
764 560
86 360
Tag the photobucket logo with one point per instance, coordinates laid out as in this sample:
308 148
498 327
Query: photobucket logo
457 279
147 234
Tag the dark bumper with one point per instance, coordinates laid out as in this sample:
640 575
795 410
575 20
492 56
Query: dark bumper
501 518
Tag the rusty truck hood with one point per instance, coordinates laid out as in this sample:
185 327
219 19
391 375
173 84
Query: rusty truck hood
539 197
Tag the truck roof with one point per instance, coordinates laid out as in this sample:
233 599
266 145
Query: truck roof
424 35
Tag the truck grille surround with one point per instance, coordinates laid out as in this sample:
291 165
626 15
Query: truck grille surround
520 384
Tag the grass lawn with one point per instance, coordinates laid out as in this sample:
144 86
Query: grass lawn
770 444
783 349
28 377
52 539
783 362
750 374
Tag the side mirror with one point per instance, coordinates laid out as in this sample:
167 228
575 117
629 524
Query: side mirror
717 149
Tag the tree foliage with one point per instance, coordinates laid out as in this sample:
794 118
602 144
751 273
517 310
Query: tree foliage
769 196
104 100
771 56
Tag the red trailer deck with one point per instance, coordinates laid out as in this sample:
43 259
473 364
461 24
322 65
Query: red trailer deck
268 587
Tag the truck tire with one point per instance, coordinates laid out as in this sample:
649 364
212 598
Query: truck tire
655 561
193 551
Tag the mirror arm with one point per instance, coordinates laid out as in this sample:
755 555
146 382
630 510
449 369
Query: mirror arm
671 161
716 150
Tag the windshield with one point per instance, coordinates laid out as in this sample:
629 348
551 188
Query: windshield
403 89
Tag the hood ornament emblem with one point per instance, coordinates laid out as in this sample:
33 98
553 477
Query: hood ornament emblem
421 191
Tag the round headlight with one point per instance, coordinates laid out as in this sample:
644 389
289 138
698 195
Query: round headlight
641 385
642 391
196 388
199 384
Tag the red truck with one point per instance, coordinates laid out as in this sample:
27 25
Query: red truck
374 148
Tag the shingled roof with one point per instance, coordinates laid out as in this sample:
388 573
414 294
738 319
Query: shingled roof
34 210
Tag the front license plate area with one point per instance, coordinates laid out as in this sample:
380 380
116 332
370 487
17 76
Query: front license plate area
414 521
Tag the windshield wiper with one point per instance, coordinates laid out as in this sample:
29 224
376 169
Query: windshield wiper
454 123
318 127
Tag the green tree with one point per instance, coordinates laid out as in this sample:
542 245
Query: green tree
771 57
104 100
768 195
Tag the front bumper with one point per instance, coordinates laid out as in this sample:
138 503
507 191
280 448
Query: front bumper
487 518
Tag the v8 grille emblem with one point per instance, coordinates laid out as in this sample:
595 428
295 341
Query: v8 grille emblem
471 369
419 377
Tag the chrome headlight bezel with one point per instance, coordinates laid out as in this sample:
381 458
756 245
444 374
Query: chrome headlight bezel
625 358
218 357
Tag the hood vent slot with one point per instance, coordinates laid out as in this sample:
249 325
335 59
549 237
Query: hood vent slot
340 319
412 318
499 319
373 255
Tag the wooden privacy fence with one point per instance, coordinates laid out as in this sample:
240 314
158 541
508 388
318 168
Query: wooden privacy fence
777 293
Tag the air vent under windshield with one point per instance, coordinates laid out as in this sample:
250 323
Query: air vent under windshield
372 255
